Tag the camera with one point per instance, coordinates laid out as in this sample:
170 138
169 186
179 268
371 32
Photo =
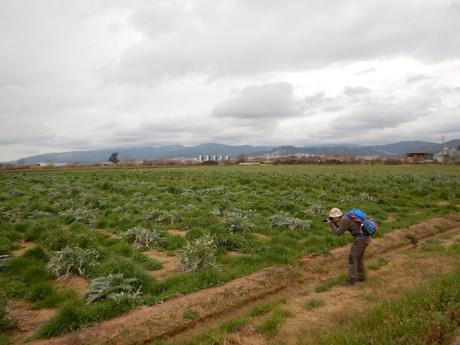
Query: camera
327 219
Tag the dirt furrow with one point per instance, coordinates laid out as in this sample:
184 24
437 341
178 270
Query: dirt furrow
145 324
397 276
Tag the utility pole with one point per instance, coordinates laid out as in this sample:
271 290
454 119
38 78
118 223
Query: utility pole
443 151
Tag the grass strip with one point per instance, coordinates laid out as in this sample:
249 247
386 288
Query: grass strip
427 315
329 283
270 326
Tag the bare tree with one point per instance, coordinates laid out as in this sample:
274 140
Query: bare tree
242 158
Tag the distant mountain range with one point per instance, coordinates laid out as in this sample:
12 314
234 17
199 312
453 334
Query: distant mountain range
175 151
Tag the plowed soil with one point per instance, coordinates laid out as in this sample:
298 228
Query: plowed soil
27 320
170 264
78 284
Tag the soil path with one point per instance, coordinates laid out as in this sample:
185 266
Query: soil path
27 320
78 284
456 341
110 234
399 274
24 247
227 300
170 264
406 269
177 232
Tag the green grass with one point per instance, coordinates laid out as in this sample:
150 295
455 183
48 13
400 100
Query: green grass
55 209
313 303
270 326
233 325
76 314
329 283
3 339
432 245
190 315
265 308
377 264
206 338
428 315
276 314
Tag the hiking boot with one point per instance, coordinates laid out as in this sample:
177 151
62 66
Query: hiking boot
361 279
348 283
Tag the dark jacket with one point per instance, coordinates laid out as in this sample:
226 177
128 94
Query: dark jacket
347 224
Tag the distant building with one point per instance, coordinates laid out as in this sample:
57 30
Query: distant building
418 157
204 158
447 155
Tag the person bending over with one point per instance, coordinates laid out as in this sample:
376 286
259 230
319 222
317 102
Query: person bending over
341 223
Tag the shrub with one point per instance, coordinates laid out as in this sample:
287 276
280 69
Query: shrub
72 261
240 213
315 208
81 215
126 266
162 216
114 287
142 237
199 254
237 224
282 220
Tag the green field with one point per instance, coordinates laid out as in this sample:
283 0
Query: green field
101 223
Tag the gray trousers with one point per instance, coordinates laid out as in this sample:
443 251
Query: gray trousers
356 269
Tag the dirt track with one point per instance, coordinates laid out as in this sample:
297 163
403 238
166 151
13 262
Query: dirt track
405 269
219 303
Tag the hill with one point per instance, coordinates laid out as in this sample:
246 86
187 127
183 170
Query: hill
174 151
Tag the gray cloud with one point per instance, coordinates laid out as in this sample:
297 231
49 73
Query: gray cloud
355 90
320 103
387 112
365 71
96 73
379 115
240 37
266 101
419 78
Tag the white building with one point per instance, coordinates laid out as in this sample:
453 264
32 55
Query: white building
447 155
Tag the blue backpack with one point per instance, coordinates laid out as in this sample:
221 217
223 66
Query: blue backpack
360 217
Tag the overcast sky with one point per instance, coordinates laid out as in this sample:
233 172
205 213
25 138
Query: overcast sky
78 75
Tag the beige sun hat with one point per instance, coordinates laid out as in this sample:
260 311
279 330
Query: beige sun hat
335 212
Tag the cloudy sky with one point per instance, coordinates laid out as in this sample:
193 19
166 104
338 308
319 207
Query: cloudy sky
77 75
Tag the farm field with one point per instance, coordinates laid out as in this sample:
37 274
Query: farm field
79 247
410 297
